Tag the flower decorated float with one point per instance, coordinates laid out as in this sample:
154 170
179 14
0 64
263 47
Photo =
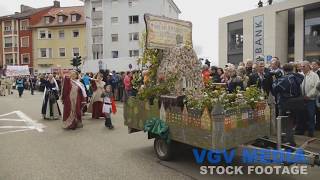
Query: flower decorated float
174 106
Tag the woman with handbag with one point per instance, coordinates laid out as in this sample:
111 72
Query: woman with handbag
50 107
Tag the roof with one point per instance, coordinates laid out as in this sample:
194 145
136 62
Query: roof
67 11
25 14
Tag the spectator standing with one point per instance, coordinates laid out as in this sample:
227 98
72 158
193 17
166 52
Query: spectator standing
128 85
262 78
249 67
316 69
235 81
215 75
309 92
287 90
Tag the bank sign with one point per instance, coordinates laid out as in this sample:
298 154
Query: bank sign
258 37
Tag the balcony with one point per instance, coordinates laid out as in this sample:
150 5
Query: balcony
97 15
97 32
10 49
6 33
97 39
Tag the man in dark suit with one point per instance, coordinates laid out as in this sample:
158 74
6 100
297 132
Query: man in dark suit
261 78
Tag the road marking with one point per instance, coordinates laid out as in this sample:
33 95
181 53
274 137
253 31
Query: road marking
30 124
20 130
13 120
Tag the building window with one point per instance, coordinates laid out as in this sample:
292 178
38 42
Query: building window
133 19
114 37
7 28
75 33
9 59
62 52
60 19
61 34
25 41
45 52
115 54
75 52
114 20
24 24
8 42
312 34
74 18
47 20
132 3
291 34
42 34
25 58
235 42
49 35
134 36
134 53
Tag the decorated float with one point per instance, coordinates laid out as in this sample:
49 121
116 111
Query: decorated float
173 105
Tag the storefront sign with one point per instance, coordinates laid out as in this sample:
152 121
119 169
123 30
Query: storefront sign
163 32
17 71
258 37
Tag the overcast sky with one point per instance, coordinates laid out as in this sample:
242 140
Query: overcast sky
204 15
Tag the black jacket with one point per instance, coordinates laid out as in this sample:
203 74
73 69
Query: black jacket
265 83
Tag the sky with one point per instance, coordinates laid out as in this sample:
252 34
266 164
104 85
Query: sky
204 14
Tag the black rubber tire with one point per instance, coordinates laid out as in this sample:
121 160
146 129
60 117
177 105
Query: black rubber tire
163 150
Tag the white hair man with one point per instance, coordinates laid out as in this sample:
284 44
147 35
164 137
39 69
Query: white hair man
310 93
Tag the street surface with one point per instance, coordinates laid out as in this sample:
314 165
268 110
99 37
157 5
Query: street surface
37 149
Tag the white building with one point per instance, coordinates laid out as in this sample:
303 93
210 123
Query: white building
289 30
114 30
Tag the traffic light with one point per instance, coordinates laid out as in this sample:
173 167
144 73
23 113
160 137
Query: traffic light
76 61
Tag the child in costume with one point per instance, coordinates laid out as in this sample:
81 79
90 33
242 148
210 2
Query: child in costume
109 106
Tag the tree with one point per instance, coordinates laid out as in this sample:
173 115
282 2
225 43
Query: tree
76 62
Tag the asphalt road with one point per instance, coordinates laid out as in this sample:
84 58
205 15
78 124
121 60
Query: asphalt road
91 153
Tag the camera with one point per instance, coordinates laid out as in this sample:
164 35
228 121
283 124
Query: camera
276 74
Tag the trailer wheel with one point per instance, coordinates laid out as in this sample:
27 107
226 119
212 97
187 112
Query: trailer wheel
163 149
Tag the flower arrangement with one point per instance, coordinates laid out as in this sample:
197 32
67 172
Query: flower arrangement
211 96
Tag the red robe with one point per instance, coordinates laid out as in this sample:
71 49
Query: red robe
72 99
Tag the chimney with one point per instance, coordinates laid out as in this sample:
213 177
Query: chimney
24 8
56 4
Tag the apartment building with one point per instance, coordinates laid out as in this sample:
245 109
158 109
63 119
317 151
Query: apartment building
58 37
115 27
16 35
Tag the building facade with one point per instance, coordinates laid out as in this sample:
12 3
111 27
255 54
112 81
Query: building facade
115 27
289 30
16 35
58 38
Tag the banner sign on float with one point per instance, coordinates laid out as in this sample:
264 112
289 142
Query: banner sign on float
163 32
258 37
17 71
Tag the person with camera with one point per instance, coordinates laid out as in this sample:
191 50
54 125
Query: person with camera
288 95
261 78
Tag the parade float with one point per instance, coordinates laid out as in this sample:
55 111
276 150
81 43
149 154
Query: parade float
173 105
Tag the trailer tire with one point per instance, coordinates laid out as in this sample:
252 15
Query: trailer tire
163 149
